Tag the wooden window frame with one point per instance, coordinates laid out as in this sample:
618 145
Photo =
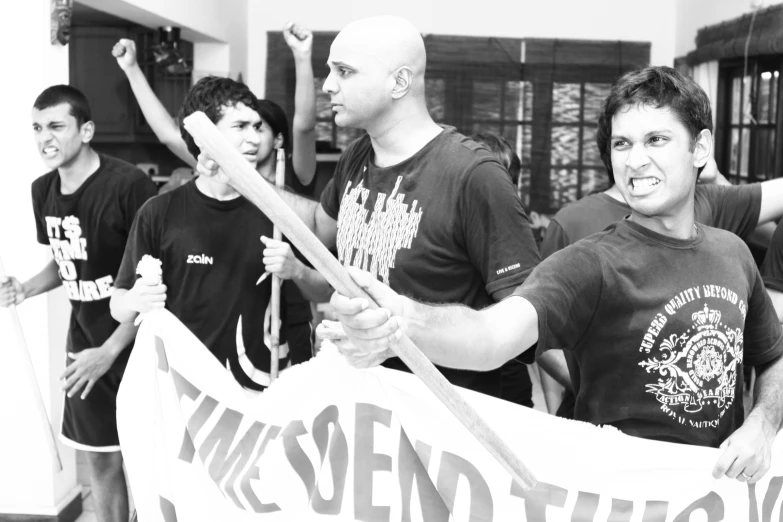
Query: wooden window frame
724 125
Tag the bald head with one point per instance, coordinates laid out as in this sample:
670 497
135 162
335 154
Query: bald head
376 74
392 40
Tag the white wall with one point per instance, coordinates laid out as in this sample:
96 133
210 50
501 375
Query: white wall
634 20
692 15
214 23
28 483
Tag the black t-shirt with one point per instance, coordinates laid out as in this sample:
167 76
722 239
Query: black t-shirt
772 269
87 231
659 329
732 208
443 226
211 258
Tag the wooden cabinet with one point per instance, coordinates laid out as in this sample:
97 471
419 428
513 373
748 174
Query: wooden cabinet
95 72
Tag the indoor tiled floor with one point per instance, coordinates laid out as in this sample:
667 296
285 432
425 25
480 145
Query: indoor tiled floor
88 515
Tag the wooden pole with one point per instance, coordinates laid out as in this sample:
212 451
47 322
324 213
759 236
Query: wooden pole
277 235
248 183
29 376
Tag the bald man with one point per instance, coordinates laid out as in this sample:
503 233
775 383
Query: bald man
426 210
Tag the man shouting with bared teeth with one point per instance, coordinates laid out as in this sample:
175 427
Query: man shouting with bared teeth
658 312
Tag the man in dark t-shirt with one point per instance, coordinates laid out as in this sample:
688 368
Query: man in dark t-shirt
83 210
738 209
208 240
660 313
426 210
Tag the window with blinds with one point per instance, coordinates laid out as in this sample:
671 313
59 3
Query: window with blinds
749 123
749 129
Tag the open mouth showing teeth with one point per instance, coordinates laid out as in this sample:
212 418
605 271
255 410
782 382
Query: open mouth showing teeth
49 150
644 182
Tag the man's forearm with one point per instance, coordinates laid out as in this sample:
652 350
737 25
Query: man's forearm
768 394
771 200
45 280
162 123
121 338
304 208
307 210
777 301
553 363
304 95
120 310
313 285
456 336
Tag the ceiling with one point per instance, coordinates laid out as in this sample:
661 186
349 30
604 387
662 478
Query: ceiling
83 15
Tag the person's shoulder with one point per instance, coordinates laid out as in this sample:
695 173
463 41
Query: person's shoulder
159 204
577 209
465 146
593 248
43 182
122 171
589 215
722 238
358 147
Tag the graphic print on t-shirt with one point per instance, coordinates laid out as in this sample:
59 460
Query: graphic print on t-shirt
68 246
246 366
697 368
372 244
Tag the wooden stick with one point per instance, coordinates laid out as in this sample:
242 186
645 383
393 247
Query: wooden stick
277 235
29 373
250 184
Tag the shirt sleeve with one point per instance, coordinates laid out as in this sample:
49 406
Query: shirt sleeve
330 196
565 290
772 269
138 193
143 239
555 239
40 224
762 341
734 208
495 229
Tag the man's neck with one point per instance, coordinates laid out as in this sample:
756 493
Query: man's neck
216 189
73 175
679 226
402 138
267 167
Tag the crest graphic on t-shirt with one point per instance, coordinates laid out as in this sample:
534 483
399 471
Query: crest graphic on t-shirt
372 244
697 369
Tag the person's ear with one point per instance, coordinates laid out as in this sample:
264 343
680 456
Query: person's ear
87 131
403 80
279 141
702 148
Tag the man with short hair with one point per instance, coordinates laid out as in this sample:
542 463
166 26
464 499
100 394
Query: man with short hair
209 241
739 209
428 211
659 312
84 208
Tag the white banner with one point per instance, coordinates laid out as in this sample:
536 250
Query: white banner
375 445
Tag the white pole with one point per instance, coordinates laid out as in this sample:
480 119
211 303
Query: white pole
29 373
277 235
